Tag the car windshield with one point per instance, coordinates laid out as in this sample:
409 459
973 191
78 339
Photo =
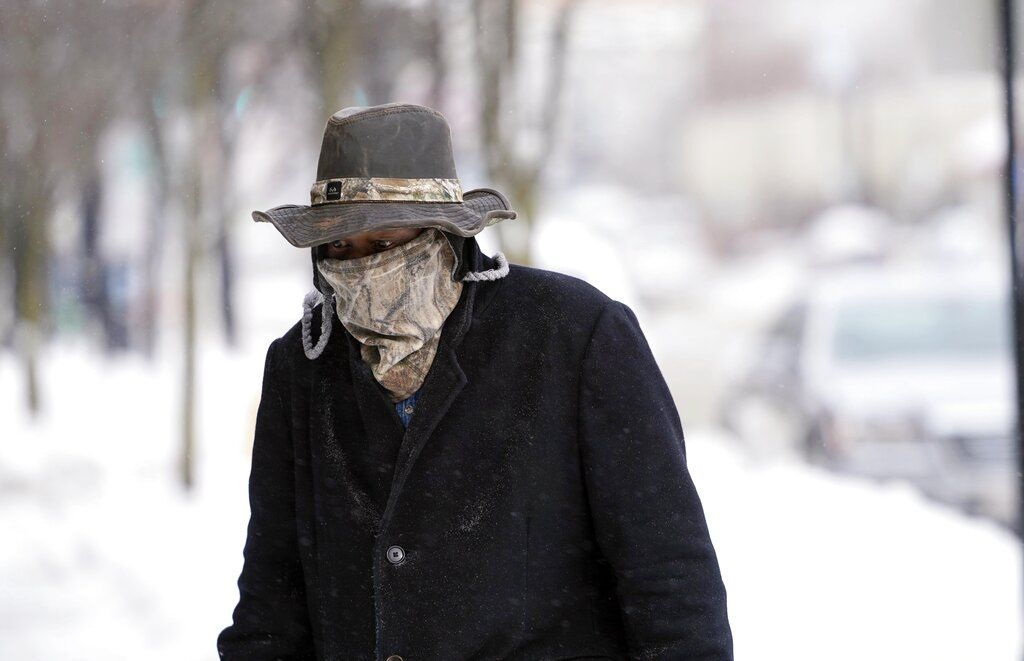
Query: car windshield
911 328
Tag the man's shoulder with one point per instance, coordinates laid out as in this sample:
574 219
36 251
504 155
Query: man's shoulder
553 294
289 345
293 336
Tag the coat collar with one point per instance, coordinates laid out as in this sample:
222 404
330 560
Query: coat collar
444 381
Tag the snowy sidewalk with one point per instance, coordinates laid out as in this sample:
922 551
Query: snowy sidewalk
106 559
819 566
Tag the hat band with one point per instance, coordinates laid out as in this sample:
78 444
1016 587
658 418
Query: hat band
387 189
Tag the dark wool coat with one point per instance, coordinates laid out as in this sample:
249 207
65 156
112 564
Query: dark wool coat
538 507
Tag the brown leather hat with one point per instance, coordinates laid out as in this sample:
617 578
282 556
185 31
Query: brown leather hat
386 167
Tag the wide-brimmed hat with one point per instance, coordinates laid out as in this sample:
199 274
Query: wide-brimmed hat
385 167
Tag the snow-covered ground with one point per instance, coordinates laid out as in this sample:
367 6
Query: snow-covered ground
106 557
818 566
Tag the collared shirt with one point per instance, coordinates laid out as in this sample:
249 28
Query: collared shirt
406 407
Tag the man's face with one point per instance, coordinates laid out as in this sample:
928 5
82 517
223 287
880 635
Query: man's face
367 243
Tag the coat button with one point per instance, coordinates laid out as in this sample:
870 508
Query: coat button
394 657
396 554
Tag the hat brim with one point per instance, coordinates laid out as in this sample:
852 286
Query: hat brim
305 226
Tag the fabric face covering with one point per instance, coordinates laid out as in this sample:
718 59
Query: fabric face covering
395 303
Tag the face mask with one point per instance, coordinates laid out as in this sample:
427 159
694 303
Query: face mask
395 302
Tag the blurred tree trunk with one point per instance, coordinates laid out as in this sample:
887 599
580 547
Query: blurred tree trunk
200 103
210 32
28 185
155 225
502 115
31 281
154 95
332 35
8 172
400 36
435 54
192 235
224 133
92 284
226 262
95 285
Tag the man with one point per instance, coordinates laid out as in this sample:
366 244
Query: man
538 505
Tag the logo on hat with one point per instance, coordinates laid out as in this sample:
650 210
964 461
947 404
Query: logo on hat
333 190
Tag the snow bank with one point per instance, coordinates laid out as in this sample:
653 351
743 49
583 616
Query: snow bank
821 566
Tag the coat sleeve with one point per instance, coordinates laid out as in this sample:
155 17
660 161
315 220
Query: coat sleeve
271 620
648 518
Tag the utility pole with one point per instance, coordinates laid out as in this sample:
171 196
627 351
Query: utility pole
1007 41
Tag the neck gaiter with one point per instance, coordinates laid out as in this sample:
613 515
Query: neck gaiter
395 302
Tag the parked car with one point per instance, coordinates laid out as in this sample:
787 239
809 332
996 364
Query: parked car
893 372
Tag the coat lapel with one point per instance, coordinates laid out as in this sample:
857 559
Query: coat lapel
338 403
444 381
374 405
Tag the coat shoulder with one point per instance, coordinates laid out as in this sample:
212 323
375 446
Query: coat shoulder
290 342
550 299
547 287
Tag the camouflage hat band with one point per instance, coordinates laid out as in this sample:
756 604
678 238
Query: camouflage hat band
386 189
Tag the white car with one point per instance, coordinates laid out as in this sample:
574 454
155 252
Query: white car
899 372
